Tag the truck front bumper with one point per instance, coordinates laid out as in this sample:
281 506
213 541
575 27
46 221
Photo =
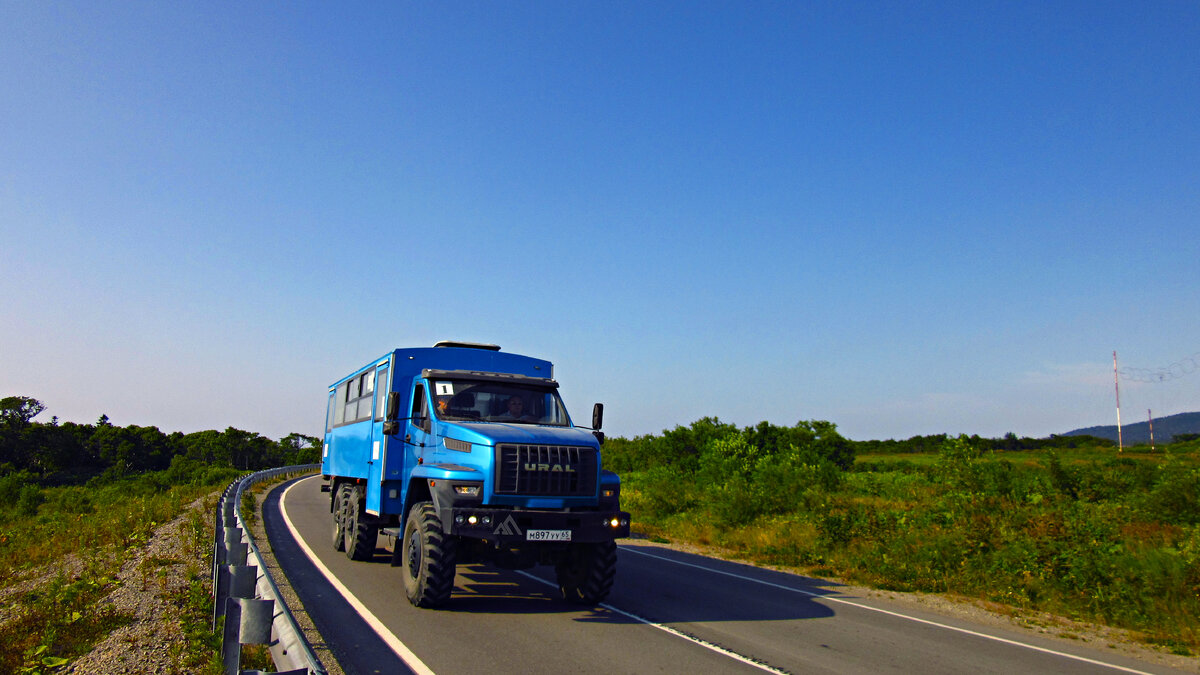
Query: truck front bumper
520 525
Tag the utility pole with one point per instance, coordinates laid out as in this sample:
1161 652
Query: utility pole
1117 388
1150 414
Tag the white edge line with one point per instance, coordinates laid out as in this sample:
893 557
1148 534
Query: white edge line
895 614
690 638
406 655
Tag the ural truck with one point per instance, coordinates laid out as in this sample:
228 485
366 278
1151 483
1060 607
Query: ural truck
462 453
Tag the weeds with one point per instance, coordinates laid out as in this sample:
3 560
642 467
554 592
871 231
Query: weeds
85 534
1075 532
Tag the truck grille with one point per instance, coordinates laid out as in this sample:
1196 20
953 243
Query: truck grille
560 470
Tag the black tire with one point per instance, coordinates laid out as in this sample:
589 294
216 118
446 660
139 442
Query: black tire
361 533
339 519
586 575
427 557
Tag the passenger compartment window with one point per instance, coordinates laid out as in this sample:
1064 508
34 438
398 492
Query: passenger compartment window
381 385
355 399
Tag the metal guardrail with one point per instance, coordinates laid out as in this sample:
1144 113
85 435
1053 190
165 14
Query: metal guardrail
245 594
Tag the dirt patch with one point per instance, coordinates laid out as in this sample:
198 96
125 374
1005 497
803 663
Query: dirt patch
147 584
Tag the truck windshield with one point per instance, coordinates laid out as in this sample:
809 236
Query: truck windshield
473 401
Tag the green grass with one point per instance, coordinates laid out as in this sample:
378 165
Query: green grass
1088 534
64 616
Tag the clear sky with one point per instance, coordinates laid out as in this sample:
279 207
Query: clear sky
902 217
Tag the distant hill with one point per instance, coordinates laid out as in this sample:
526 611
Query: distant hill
1164 429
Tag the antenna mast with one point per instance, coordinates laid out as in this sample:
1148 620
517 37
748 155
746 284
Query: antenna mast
1117 388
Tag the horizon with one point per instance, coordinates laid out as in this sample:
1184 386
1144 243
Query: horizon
1125 425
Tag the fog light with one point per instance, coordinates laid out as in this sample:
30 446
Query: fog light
472 519
624 522
487 520
458 519
615 523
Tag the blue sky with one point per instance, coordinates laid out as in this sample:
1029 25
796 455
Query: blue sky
902 217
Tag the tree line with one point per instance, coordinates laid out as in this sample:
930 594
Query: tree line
1009 442
67 453
817 441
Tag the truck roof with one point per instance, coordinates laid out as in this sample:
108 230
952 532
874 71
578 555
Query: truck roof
446 356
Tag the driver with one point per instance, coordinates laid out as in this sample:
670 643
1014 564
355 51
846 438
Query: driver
516 408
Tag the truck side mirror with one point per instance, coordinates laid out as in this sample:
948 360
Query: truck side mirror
393 406
391 428
597 416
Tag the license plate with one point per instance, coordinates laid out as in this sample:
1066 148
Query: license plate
547 535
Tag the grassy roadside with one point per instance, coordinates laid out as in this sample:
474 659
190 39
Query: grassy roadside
1084 534
61 555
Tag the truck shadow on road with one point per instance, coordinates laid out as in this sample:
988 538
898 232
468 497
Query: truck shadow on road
654 584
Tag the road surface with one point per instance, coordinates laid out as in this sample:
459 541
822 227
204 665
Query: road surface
669 612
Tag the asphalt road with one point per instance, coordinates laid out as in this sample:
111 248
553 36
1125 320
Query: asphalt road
669 612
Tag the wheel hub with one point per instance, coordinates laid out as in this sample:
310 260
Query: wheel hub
414 554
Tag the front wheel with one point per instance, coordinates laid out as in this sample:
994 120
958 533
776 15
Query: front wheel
427 557
586 575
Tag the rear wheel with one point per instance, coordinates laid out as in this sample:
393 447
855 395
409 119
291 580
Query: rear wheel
427 557
586 575
339 519
360 530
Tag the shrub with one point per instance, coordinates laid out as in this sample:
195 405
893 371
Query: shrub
11 486
29 499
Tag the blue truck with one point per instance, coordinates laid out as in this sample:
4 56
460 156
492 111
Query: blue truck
462 453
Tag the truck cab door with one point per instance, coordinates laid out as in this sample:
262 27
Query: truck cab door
418 433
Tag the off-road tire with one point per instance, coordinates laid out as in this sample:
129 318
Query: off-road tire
361 532
339 519
427 557
586 575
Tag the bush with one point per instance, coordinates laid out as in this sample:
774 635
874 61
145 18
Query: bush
11 486
658 492
73 500
29 499
1175 497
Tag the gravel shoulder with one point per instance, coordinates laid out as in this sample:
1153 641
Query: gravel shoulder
148 582
302 617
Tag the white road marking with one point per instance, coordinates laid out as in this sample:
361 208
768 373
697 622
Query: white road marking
690 638
891 613
402 651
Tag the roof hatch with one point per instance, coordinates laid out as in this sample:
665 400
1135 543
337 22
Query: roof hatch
467 345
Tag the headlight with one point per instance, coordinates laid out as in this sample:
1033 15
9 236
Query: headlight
467 490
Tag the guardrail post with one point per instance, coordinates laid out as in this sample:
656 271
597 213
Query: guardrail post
235 548
220 593
243 581
247 622
231 552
